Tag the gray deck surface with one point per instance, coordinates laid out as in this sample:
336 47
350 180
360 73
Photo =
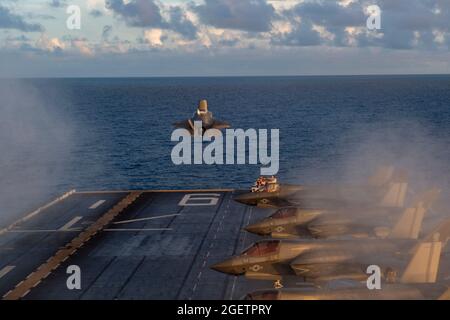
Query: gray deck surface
165 257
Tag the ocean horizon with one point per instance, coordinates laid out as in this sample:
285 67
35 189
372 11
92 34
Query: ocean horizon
114 133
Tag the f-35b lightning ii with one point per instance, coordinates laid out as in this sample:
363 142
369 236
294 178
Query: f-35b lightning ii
386 187
206 117
357 221
326 260
418 281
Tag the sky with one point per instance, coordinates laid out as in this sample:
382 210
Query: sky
127 38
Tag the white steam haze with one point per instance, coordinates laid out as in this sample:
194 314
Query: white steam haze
35 145
405 144
408 145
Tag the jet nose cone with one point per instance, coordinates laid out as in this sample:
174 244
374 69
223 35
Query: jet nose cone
226 266
252 229
257 228
245 198
203 105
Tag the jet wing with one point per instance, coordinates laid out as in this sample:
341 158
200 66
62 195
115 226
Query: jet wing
185 124
182 124
221 124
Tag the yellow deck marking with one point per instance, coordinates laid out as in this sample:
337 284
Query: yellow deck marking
24 287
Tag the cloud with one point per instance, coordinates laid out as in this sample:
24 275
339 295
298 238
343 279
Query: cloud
50 44
95 4
96 13
405 24
137 13
322 23
301 35
18 38
414 23
82 46
65 46
153 37
180 23
40 16
253 27
9 20
251 15
57 3
106 33
147 14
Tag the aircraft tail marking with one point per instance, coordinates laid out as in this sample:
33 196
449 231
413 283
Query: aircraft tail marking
382 176
395 195
410 222
424 264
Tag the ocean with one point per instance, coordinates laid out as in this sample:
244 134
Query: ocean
114 133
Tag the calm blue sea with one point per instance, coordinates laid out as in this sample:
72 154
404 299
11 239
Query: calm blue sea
88 134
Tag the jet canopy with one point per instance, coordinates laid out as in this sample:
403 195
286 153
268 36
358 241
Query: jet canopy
266 184
284 213
262 248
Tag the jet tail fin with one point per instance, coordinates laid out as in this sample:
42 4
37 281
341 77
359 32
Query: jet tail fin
396 191
443 230
410 222
424 264
427 198
381 177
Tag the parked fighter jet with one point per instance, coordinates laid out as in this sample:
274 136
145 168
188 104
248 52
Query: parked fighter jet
326 260
392 292
206 117
388 292
356 222
417 282
385 187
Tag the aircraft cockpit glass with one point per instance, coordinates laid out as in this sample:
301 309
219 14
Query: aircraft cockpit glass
284 213
262 248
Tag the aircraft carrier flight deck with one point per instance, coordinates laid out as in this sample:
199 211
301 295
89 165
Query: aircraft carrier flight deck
128 245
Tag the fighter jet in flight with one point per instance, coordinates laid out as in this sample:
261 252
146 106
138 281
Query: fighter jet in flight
385 187
418 281
325 260
206 117
356 222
